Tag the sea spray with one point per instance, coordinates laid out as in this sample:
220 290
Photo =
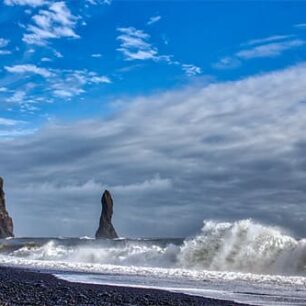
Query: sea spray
242 246
125 253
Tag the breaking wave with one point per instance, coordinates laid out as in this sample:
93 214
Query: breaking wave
242 246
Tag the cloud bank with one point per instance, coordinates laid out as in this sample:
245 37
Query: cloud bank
224 151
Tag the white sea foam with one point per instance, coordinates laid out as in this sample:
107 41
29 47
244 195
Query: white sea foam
87 238
241 250
236 253
242 246
173 273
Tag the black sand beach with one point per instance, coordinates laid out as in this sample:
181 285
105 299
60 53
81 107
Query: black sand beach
24 287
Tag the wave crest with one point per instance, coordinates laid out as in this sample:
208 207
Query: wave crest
242 246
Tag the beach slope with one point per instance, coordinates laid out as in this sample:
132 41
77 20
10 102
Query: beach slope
25 287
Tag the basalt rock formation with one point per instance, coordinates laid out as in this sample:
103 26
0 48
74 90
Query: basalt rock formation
6 223
106 229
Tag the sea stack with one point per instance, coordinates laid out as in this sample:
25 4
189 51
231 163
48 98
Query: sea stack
6 222
106 229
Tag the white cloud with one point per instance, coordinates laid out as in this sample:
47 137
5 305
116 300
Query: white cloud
271 46
96 55
3 42
96 2
33 3
270 50
5 52
227 62
153 20
18 97
267 40
63 83
3 89
52 23
99 79
27 68
135 45
10 134
9 122
57 54
191 70
70 83
62 91
300 25
25 103
154 184
46 59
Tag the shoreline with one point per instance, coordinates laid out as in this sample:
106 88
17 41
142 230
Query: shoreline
26 287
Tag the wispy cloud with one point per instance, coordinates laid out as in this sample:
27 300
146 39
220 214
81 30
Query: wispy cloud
21 69
18 97
5 52
10 128
191 70
271 46
270 50
57 54
64 83
25 102
70 83
300 25
268 39
96 2
46 59
3 44
52 23
8 133
9 122
153 20
135 45
227 62
32 3
96 55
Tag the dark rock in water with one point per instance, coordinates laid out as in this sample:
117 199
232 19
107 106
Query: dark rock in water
106 229
6 223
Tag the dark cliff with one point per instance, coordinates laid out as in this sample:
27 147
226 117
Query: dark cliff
106 229
6 223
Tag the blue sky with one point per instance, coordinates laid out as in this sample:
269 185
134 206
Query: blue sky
179 42
195 107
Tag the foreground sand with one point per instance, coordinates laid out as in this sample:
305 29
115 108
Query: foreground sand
24 287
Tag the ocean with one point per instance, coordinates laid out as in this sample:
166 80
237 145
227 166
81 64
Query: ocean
241 261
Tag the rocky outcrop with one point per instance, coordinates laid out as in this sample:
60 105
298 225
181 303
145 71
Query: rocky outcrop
106 229
6 223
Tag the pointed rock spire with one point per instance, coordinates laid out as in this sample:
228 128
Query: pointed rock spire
106 229
6 223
